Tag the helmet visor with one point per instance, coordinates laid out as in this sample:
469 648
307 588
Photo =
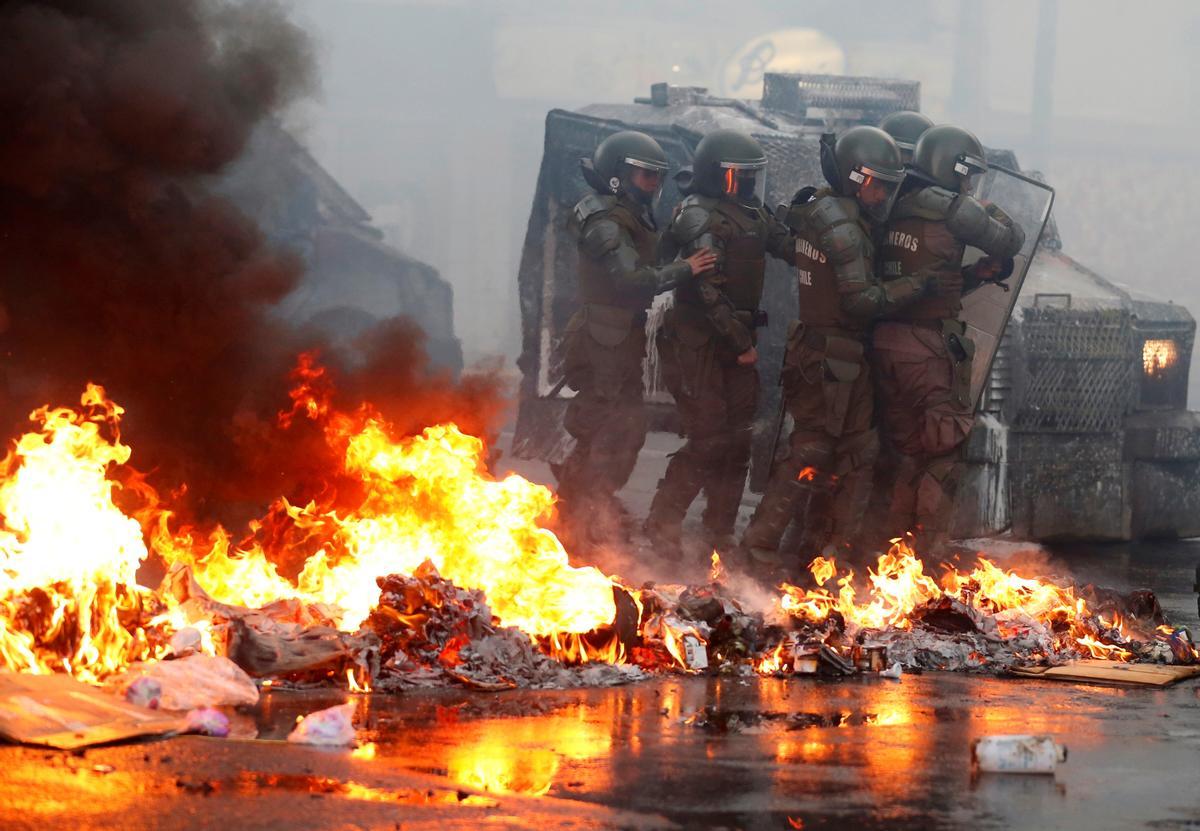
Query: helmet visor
877 191
745 183
970 170
642 180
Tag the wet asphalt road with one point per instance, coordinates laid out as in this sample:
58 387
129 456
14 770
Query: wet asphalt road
862 753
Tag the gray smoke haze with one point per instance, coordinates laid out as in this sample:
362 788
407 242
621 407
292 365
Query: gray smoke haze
433 112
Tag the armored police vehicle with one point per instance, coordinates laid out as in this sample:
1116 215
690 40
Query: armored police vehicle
1082 429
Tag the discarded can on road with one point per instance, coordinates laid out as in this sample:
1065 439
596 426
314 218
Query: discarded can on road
695 652
871 657
1016 754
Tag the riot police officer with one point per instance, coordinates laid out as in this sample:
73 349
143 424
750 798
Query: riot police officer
923 356
707 342
831 452
905 127
605 341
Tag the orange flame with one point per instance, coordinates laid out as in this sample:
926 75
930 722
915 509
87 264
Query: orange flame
898 585
428 497
1158 356
69 556
717 572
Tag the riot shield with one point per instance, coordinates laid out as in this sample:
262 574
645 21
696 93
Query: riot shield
986 310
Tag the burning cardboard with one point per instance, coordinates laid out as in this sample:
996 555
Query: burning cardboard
58 711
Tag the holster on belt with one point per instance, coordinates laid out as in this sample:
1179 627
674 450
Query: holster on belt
961 350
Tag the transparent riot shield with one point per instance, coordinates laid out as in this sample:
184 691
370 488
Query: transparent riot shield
986 310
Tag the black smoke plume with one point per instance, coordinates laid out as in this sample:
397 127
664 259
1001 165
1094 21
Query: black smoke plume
117 265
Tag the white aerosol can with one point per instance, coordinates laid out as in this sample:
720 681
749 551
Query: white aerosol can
1016 754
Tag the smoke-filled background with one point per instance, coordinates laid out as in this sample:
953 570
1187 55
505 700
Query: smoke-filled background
124 261
194 191
432 112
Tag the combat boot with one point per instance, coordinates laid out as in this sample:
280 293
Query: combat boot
676 491
774 512
723 492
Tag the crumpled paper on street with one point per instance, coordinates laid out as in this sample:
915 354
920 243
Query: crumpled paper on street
192 682
331 727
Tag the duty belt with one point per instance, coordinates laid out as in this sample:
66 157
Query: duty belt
818 338
948 326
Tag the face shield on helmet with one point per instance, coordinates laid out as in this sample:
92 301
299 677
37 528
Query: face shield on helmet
877 190
642 180
970 171
745 183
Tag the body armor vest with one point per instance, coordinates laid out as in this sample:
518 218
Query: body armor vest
913 245
598 286
745 258
817 288
744 237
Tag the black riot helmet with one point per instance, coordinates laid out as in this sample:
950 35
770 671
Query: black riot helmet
905 127
864 163
951 157
730 164
611 168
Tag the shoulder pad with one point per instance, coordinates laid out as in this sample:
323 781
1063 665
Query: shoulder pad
600 236
589 206
975 225
844 241
827 211
931 203
692 218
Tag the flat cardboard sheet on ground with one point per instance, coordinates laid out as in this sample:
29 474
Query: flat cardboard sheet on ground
1095 671
58 711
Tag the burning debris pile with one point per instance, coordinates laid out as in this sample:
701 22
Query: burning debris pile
429 570
985 619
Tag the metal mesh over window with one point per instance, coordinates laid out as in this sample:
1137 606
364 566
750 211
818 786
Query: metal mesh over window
1080 375
870 98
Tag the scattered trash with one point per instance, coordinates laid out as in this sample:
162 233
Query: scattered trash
894 671
1093 671
871 657
144 692
332 727
209 721
185 642
695 652
1016 754
818 659
58 711
192 682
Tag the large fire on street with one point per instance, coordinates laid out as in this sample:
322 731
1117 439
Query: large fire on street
431 531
